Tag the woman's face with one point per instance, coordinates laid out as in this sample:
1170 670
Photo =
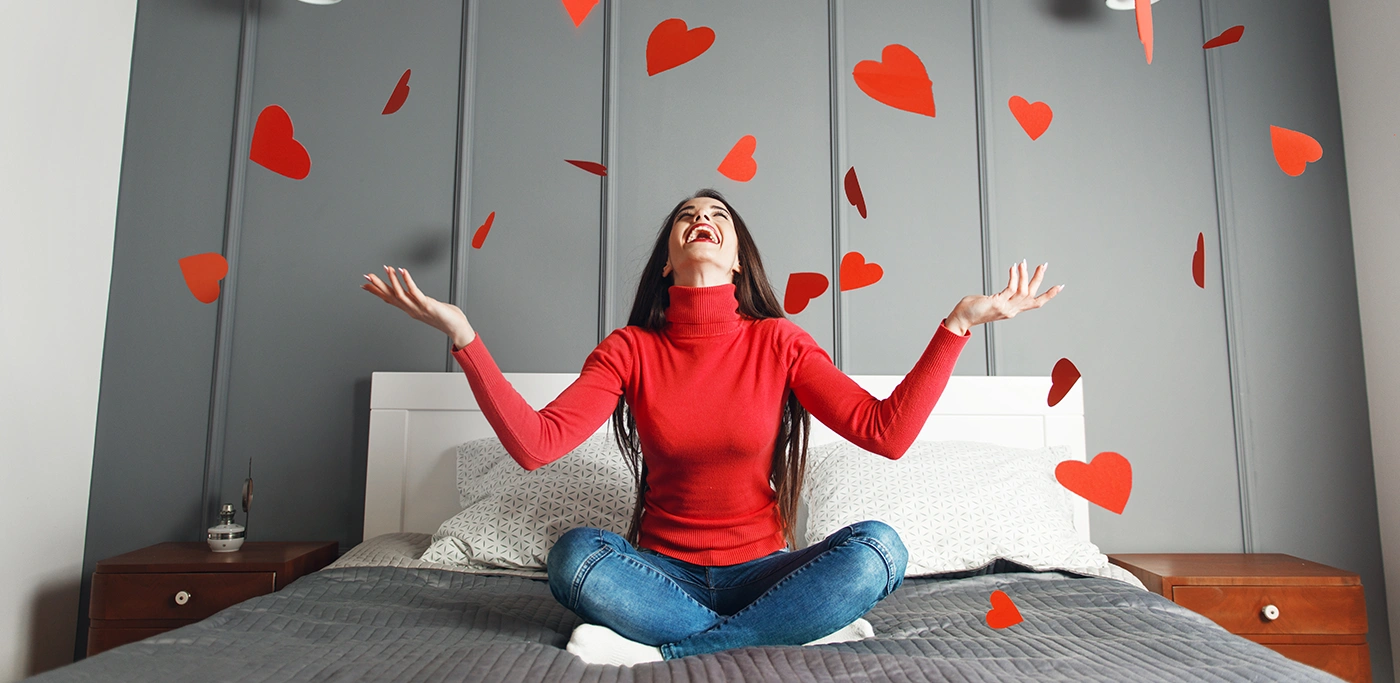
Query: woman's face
703 248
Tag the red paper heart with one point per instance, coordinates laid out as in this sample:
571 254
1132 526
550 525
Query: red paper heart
899 80
1003 612
579 9
400 94
273 146
1105 481
738 164
591 166
1294 150
1198 261
801 289
1226 37
479 237
853 193
1062 378
856 273
1143 10
671 45
1034 117
202 274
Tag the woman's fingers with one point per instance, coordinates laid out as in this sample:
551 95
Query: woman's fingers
418 296
1012 283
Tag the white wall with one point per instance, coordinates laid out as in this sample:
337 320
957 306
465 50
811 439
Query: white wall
1368 54
64 68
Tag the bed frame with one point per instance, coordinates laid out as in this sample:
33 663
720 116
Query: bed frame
417 420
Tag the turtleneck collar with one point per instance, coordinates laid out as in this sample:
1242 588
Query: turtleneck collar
702 311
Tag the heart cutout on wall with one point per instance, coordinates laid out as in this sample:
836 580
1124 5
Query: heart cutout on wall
1063 377
479 237
1198 261
853 193
671 44
591 166
1227 37
738 164
1105 481
1293 150
400 94
856 273
202 275
1003 612
801 289
275 148
898 79
579 9
1142 9
1034 117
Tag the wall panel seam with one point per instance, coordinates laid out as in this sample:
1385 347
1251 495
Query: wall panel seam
608 210
1225 219
979 75
837 98
233 228
461 215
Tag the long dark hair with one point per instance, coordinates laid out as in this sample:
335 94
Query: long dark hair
757 301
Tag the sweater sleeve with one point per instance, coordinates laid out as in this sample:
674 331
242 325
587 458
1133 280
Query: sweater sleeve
885 427
536 438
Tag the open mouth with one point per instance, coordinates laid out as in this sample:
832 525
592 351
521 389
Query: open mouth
702 233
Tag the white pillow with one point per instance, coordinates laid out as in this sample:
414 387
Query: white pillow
957 505
512 517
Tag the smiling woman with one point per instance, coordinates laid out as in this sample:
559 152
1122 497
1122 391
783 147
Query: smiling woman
709 387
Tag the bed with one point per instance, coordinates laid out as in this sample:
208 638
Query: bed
381 613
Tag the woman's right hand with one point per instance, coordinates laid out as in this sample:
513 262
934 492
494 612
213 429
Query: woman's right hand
419 306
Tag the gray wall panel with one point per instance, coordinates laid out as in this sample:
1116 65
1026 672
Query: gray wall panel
1113 196
532 289
1311 485
153 407
921 186
676 127
380 191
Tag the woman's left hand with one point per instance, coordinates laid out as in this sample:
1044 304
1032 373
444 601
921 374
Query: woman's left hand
1018 296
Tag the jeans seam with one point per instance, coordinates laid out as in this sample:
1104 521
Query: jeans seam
884 554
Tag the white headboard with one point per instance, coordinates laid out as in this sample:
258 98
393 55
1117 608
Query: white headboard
417 420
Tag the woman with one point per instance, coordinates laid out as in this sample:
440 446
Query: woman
709 386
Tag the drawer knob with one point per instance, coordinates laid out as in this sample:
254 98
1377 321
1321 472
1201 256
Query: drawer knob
182 597
1270 612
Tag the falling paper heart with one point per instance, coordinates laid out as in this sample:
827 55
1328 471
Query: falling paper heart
400 94
1198 261
899 80
1226 37
738 164
1063 377
801 289
1294 150
202 274
856 273
591 166
1105 481
479 237
579 9
853 193
1034 117
671 44
274 147
1003 612
1143 11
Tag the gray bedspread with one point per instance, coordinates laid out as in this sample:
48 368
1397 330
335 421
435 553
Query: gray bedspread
416 624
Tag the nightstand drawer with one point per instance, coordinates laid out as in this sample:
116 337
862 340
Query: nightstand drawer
1318 610
160 596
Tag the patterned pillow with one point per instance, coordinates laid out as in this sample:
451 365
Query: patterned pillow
957 505
512 517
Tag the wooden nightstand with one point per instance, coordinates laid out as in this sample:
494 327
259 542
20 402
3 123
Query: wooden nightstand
1305 611
150 591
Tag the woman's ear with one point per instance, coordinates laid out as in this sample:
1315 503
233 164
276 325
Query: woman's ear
666 270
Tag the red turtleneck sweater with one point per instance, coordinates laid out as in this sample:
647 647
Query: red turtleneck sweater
707 392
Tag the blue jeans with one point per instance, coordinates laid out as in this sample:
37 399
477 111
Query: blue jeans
786 598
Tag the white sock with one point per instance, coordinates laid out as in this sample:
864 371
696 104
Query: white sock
596 644
859 629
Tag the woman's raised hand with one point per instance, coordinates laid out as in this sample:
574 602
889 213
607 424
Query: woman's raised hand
1018 296
419 306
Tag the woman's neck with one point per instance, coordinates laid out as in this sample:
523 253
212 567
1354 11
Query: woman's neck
702 311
